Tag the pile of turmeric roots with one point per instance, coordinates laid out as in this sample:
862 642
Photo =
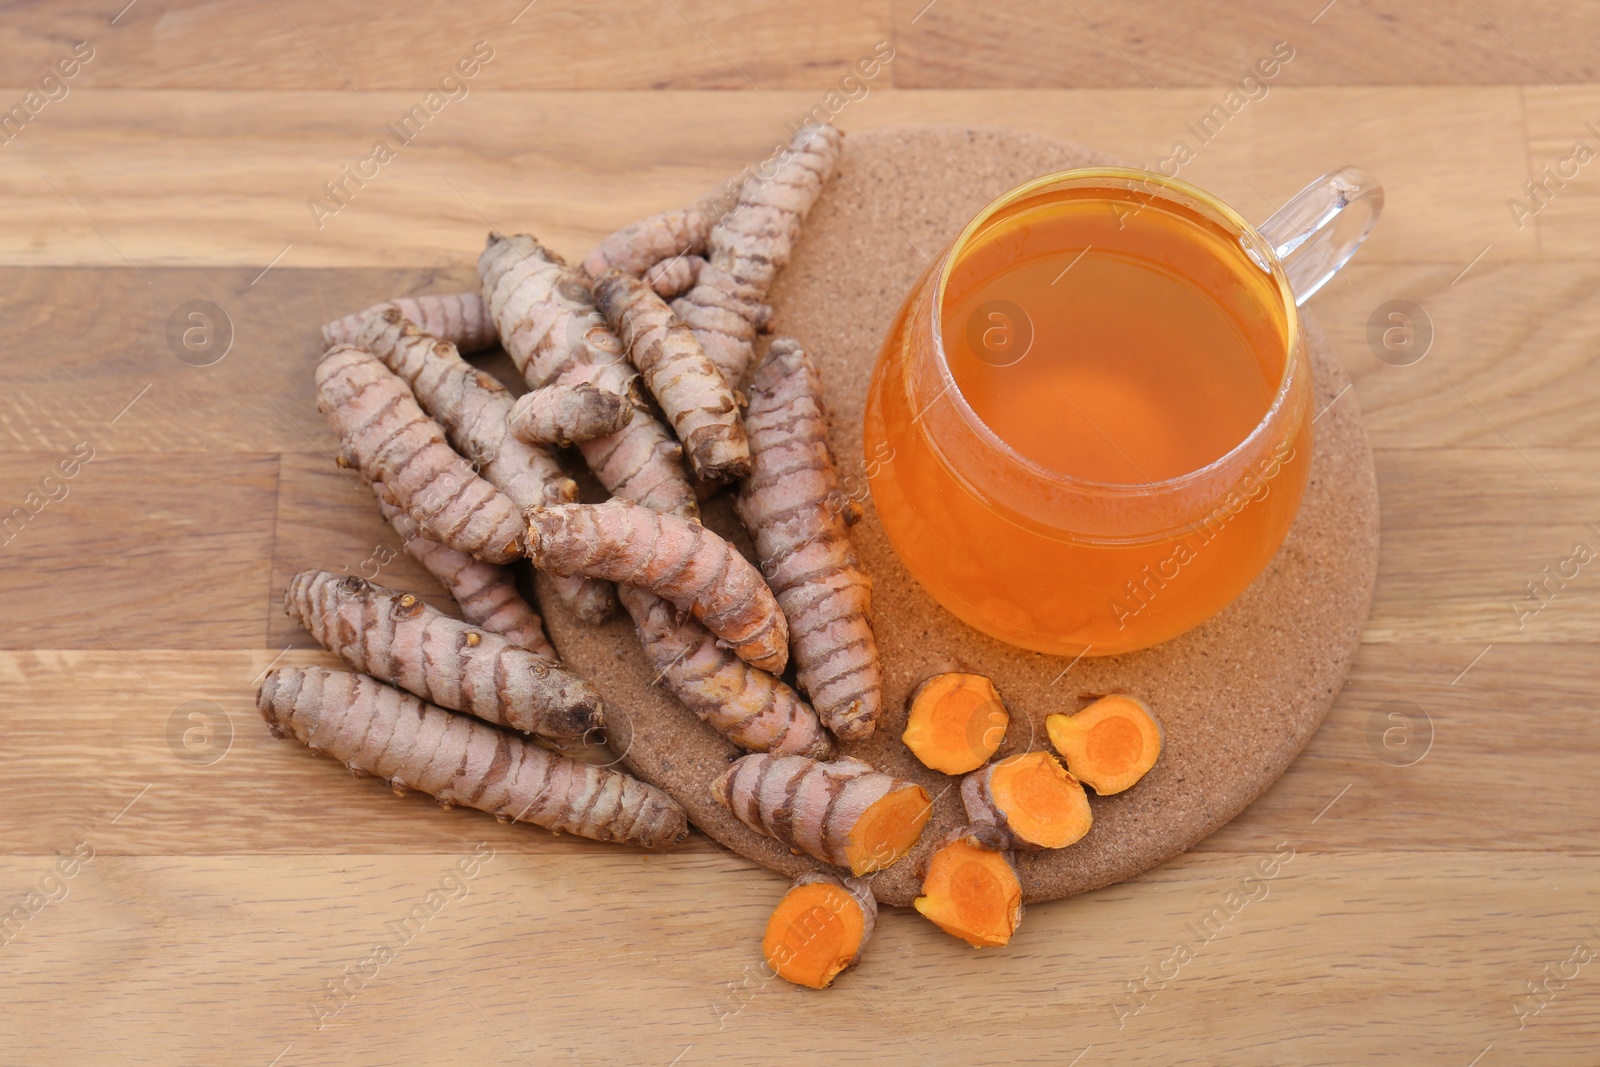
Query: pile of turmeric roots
640 359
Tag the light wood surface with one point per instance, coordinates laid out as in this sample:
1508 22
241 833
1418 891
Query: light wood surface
233 876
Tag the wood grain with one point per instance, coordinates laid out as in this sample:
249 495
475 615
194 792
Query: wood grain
546 44
1148 44
165 179
235 875
1418 963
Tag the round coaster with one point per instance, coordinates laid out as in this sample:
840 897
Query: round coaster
1238 697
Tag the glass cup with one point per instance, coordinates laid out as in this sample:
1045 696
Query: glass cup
1070 565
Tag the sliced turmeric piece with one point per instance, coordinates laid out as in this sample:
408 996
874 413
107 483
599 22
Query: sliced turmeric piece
1110 744
819 928
1028 801
845 812
971 890
957 722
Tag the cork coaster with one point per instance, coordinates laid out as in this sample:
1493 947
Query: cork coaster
1238 697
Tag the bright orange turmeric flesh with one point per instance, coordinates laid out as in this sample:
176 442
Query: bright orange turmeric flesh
1110 744
971 891
1028 801
956 722
819 928
844 812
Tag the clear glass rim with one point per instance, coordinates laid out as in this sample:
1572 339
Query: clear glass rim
1253 245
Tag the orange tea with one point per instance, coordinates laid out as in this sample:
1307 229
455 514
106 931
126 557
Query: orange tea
1089 428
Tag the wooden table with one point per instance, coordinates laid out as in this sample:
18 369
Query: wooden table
230 900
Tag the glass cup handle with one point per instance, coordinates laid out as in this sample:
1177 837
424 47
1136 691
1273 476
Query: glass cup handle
1321 227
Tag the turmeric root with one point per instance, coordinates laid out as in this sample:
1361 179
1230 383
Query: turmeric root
689 388
460 318
1110 744
552 331
474 409
802 541
376 729
673 276
751 708
956 723
971 890
1027 802
398 639
486 592
819 928
563 415
640 245
844 812
389 439
750 244
673 557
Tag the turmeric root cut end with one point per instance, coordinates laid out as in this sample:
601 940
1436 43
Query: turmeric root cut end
956 722
972 892
1109 745
817 930
1044 806
888 829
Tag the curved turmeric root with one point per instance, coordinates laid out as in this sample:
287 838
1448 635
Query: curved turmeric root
475 410
386 434
376 729
564 415
749 707
1110 744
640 245
486 592
957 721
687 385
803 543
819 928
673 276
673 557
971 890
398 639
845 812
1028 802
460 318
552 331
750 244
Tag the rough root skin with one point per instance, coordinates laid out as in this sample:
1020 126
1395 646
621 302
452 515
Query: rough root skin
389 439
376 729
691 391
640 245
565 415
460 318
486 592
808 805
551 329
751 244
674 557
475 411
791 504
398 639
673 276
749 707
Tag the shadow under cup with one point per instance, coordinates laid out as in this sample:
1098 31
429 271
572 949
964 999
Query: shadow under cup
979 490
